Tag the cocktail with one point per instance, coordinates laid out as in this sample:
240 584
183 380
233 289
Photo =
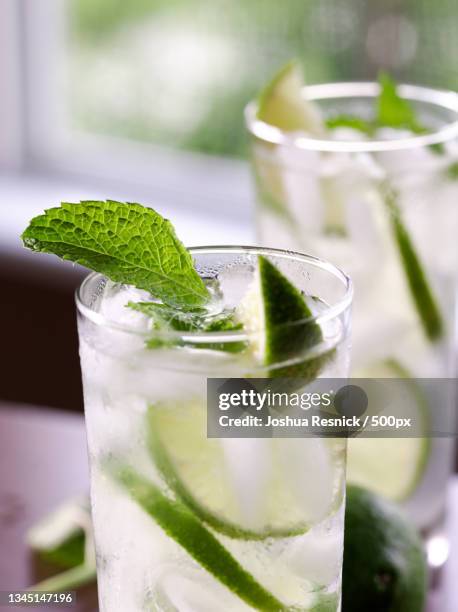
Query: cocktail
183 521
365 174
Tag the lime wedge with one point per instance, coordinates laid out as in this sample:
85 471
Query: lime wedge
420 289
180 524
277 317
282 104
392 467
274 489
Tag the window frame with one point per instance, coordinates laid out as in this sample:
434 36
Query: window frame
209 183
11 99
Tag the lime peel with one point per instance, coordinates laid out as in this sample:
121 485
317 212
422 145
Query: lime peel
281 325
174 464
180 524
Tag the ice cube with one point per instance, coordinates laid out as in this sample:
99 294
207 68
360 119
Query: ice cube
187 590
308 467
248 462
318 553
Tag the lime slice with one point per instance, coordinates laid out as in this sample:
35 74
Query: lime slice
180 524
280 323
420 289
392 467
245 488
282 104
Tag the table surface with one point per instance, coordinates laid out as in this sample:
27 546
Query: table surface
43 461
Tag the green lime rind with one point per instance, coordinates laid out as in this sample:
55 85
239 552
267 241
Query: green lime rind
289 324
420 289
303 371
166 466
284 327
384 563
290 328
180 524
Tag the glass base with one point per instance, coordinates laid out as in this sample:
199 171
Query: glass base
437 545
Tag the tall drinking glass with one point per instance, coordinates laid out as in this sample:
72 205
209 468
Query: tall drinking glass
187 522
384 208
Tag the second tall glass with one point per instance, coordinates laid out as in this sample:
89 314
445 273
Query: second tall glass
385 210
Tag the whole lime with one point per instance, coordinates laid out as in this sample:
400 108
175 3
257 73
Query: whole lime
384 566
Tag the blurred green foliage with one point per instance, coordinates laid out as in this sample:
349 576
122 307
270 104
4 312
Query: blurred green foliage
179 72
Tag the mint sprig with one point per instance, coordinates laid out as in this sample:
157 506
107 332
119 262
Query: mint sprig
126 242
391 111
164 319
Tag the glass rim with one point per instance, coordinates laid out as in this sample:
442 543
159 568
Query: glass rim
199 337
445 99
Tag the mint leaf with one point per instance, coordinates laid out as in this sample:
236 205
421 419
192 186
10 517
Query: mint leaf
391 111
126 242
394 111
350 121
166 319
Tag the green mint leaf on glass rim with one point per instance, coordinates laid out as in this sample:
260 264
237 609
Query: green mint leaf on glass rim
127 242
394 111
391 111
